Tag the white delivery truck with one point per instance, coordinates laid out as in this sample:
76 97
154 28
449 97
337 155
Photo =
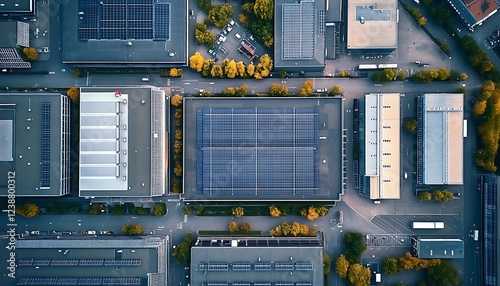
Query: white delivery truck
427 225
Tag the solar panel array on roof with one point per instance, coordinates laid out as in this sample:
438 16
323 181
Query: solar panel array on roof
214 284
262 284
298 30
124 20
9 58
45 181
283 266
241 284
122 262
283 284
64 262
218 266
41 262
304 266
463 11
262 266
242 266
91 262
24 262
258 151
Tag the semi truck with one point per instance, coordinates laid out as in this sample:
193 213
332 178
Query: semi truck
427 225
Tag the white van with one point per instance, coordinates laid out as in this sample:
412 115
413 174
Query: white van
378 277
238 36
376 202
145 79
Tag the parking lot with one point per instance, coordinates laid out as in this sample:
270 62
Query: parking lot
236 43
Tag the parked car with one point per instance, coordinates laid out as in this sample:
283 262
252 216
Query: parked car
238 36
231 22
91 232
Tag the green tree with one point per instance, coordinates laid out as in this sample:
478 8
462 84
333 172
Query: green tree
444 274
176 186
132 229
479 107
233 226
327 264
118 209
241 91
230 91
424 196
73 94
410 125
354 246
283 74
463 76
196 62
182 252
28 210
358 275
335 90
341 266
438 195
391 266
402 75
219 15
306 89
176 100
238 211
95 209
422 21
186 211
31 54
264 9
322 210
159 209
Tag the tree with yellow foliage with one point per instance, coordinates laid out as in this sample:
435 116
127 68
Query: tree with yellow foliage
274 211
176 100
196 62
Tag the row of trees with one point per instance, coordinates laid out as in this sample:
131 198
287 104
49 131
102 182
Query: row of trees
217 15
242 227
132 229
425 75
443 196
388 75
230 68
415 13
487 114
173 72
294 229
314 212
182 252
176 101
355 273
238 91
348 264
477 57
257 16
203 36
395 265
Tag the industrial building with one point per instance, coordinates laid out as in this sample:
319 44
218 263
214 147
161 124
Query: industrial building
264 149
440 139
35 132
299 35
488 235
379 146
372 25
438 248
474 12
258 261
14 37
17 8
123 142
92 261
139 33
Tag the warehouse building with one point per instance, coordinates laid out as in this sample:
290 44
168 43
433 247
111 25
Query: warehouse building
372 26
14 36
299 35
474 12
440 139
438 248
34 152
379 146
123 142
258 261
272 149
92 261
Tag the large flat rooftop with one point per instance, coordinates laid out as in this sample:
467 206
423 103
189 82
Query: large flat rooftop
18 6
258 260
260 149
125 32
104 261
299 34
122 142
372 24
34 128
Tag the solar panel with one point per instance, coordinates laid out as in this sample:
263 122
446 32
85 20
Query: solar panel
262 284
121 281
218 266
41 262
322 21
45 181
124 20
122 262
262 266
242 266
64 262
298 30
214 284
304 266
283 266
262 151
24 262
283 284
303 284
91 262
241 284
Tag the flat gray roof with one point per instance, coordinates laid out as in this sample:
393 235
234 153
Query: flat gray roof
299 34
257 260
100 259
440 248
443 138
123 142
372 24
18 6
87 41
38 124
261 149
